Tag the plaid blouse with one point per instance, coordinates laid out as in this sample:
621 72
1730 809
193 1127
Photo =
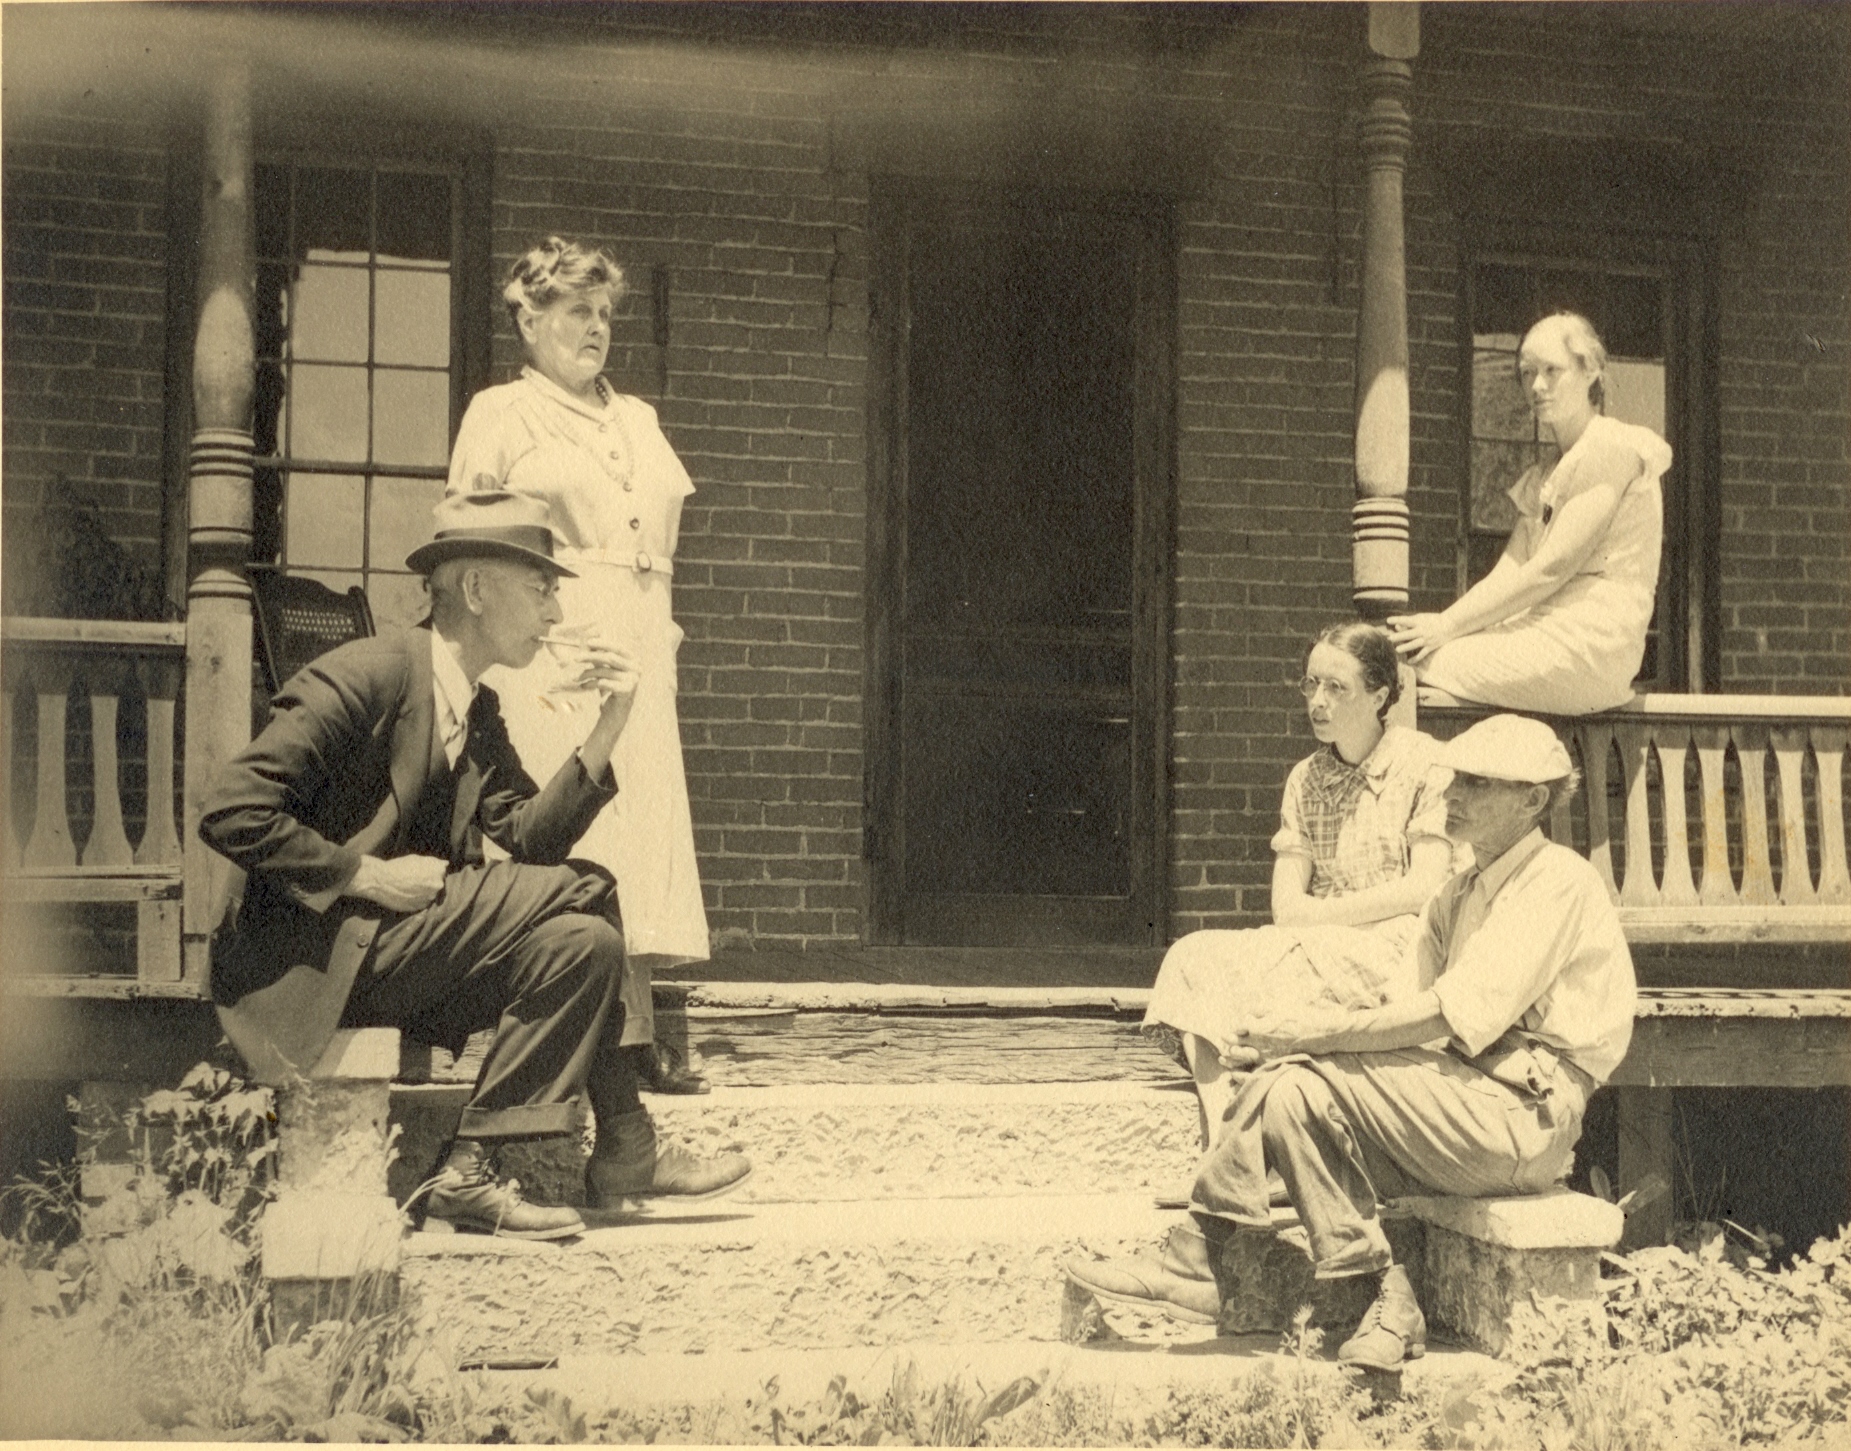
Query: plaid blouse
1357 823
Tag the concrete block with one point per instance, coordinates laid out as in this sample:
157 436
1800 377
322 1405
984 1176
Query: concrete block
371 1053
1560 1219
331 1236
1472 1287
333 1135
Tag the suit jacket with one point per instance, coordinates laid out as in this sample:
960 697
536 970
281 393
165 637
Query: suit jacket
332 777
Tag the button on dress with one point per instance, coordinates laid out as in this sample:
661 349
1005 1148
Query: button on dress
613 488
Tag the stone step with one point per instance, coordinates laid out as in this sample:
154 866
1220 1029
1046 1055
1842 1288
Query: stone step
812 1142
735 1388
730 1277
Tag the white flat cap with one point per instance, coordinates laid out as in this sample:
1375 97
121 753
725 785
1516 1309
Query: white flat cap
1508 748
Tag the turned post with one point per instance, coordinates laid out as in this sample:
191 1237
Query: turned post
218 598
1379 520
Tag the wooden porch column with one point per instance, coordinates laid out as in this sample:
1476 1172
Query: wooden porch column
1379 520
218 599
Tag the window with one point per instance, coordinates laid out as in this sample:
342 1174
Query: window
1639 305
358 368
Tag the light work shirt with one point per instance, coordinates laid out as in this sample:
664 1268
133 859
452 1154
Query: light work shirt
1532 941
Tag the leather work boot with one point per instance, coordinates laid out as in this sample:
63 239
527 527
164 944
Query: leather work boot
629 1164
473 1199
1153 1284
1392 1331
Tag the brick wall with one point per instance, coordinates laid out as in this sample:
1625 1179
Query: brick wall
85 276
691 150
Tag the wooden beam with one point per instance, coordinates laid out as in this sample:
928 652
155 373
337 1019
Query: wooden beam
1737 1052
218 659
1379 520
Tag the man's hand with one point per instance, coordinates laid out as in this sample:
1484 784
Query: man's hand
399 884
1274 1035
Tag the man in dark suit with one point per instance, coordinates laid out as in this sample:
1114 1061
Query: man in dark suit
358 816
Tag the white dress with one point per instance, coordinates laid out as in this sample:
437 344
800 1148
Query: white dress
1578 650
613 490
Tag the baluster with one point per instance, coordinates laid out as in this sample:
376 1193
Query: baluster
1718 889
1596 743
108 845
1796 887
1757 871
160 678
50 843
1678 887
1638 889
1828 746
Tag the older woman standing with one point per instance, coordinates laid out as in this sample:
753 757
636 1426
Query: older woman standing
613 488
1559 624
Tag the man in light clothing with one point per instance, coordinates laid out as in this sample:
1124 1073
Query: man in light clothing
1475 1086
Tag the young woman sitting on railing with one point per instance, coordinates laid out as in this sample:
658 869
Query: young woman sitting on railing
1361 847
1559 624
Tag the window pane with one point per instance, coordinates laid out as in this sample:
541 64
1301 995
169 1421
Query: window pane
397 599
413 318
323 515
1636 393
270 205
414 216
1495 467
1498 406
329 324
333 210
327 412
411 417
338 580
402 517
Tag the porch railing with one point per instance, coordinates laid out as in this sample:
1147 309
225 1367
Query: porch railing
1712 818
107 661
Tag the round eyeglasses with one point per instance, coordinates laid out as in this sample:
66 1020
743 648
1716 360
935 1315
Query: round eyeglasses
1336 689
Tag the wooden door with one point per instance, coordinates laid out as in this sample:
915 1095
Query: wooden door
1018 582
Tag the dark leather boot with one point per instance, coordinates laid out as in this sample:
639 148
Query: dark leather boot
1393 1331
628 1163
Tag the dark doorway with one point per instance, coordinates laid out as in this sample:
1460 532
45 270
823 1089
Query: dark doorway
1023 486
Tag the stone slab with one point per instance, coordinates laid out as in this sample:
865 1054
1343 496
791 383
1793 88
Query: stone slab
331 1236
333 1135
807 1275
811 1142
1470 1288
1560 1219
1135 1377
371 1053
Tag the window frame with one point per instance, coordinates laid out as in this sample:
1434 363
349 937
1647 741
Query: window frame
1688 609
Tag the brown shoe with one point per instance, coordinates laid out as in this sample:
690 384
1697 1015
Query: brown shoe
629 1164
478 1202
1393 1331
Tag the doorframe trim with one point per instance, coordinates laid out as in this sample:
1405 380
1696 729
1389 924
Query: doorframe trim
892 205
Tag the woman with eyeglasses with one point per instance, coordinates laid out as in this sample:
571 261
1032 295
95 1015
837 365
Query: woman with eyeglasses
1360 848
613 489
1559 624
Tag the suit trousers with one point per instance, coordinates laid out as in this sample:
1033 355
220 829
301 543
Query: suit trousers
533 952
1346 1131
